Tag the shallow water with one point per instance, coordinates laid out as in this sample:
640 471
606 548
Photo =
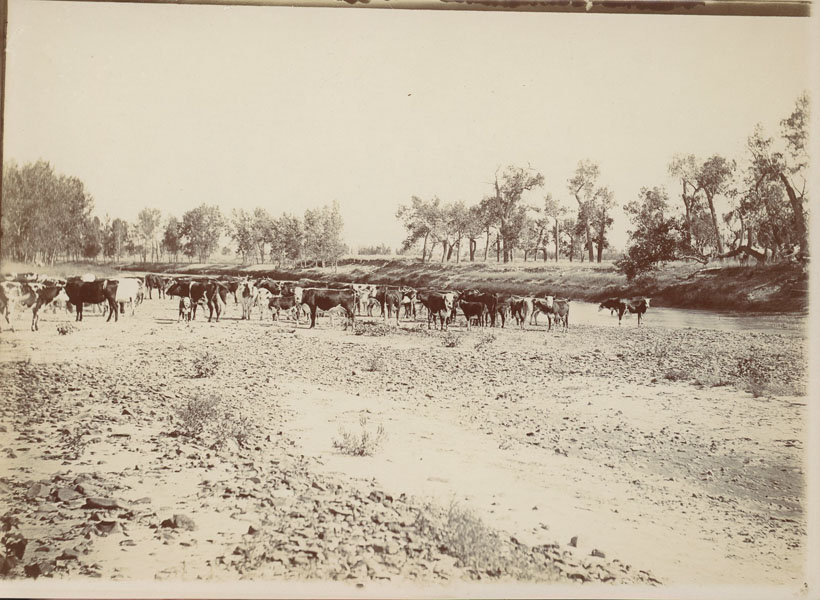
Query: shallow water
586 313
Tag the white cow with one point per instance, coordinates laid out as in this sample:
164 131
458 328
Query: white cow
130 290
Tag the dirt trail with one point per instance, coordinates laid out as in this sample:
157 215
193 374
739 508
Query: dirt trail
645 444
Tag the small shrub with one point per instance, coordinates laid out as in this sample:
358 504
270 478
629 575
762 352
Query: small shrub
66 328
74 444
376 363
371 329
676 375
463 535
362 444
451 339
196 413
206 364
485 340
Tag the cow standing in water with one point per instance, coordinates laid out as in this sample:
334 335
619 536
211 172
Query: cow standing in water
637 306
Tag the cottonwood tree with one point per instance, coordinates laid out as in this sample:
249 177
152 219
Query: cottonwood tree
656 236
201 229
422 220
553 210
241 231
594 205
172 237
507 204
146 230
714 177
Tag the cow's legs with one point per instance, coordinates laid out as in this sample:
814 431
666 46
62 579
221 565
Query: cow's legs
312 316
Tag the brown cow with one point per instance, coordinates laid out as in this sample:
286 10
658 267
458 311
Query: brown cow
92 292
473 310
325 299
437 305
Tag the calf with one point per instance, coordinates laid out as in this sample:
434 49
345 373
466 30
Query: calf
542 305
390 300
490 301
207 292
560 312
248 293
278 303
473 310
93 292
520 308
185 308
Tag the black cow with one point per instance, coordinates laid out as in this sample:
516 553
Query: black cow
325 299
613 304
390 300
284 302
490 301
473 310
155 282
637 306
92 292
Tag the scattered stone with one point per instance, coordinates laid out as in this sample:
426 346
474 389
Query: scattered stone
598 553
66 494
574 541
38 490
179 522
103 503
39 568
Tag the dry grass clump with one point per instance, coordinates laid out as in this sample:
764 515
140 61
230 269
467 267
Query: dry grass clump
374 364
364 443
463 535
66 328
208 419
371 329
485 340
451 339
206 364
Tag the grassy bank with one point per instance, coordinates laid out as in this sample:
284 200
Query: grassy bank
767 288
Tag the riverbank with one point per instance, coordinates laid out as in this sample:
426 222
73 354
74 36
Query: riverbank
779 287
596 449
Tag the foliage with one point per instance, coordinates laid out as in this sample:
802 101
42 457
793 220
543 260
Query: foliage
201 229
451 339
66 328
172 237
206 364
656 238
594 205
208 418
44 215
363 444
380 250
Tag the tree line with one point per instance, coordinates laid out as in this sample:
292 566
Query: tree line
48 217
766 194
505 223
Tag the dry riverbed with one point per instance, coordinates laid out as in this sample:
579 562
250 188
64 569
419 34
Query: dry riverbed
147 449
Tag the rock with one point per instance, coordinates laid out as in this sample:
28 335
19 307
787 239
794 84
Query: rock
38 490
598 553
66 494
69 554
574 541
7 563
103 503
107 527
39 568
3 429
179 522
15 544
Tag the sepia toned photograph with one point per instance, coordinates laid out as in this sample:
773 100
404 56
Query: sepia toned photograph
392 301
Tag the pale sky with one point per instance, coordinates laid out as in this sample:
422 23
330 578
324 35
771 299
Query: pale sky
291 108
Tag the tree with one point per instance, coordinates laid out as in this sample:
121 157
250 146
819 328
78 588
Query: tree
423 220
147 230
92 238
714 177
656 237
262 232
201 229
599 217
789 166
507 206
554 211
241 231
172 237
582 188
286 239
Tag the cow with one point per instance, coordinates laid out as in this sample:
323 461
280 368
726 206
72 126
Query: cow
15 296
233 284
93 292
205 291
473 310
390 300
325 299
408 301
502 307
637 306
559 311
542 305
261 299
155 282
613 304
274 287
437 305
490 302
248 293
290 302
130 290
185 307
520 308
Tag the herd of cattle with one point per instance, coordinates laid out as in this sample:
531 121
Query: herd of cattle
19 293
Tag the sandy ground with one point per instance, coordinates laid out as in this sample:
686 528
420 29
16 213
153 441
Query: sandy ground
667 456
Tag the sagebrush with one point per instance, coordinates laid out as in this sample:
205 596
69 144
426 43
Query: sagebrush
363 443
